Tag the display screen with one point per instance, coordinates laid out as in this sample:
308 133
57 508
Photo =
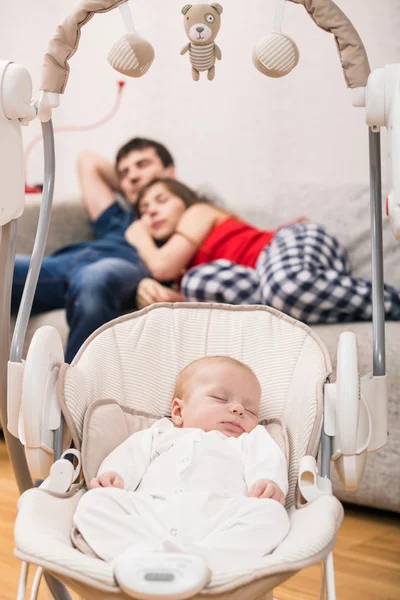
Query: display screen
159 577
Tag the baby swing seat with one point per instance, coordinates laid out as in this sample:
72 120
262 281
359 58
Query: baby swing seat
123 379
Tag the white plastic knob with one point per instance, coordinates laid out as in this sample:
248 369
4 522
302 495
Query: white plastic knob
47 101
16 93
63 473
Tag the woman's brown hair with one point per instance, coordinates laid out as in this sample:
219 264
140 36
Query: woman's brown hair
188 196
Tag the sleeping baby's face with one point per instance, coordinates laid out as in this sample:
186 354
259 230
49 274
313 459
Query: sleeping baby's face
217 393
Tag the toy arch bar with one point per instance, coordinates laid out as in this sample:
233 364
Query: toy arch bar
325 13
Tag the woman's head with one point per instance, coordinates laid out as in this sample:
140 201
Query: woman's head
161 203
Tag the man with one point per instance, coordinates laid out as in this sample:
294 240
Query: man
96 280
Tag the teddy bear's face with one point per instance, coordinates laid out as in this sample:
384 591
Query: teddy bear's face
202 22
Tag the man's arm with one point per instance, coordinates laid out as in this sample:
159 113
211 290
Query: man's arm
98 182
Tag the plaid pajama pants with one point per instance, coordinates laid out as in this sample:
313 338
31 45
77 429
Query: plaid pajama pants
304 273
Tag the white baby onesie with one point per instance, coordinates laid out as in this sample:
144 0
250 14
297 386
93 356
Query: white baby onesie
186 489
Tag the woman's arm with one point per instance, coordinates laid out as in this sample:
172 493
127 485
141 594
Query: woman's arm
170 261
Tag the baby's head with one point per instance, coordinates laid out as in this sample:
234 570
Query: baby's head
217 392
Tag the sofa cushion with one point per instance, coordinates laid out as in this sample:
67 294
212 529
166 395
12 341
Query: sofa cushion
344 211
69 224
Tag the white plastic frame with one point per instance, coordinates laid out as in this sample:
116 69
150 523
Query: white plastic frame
355 414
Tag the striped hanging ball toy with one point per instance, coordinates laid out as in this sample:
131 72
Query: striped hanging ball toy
132 55
276 54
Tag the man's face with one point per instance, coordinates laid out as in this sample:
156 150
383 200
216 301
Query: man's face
137 169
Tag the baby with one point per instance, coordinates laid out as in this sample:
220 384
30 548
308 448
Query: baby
209 481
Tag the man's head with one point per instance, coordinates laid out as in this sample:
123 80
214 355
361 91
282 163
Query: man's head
140 161
217 393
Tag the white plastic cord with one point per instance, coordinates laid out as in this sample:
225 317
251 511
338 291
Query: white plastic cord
127 17
23 577
36 583
278 15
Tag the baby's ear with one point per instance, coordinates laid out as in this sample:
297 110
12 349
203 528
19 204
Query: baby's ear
176 412
186 8
218 8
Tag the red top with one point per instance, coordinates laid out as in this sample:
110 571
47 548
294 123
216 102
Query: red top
233 240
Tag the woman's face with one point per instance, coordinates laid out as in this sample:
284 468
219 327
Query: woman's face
161 211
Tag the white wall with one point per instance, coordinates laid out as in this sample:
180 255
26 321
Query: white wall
243 133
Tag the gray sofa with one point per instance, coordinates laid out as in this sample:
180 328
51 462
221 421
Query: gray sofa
344 210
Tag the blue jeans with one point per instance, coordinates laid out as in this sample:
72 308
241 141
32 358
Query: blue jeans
93 290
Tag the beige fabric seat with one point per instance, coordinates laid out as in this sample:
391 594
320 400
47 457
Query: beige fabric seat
134 361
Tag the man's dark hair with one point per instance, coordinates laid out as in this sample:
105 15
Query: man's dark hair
141 144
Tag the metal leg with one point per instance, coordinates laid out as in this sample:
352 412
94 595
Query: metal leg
330 577
36 584
322 588
23 578
327 574
378 314
57 589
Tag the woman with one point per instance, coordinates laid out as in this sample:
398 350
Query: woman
298 269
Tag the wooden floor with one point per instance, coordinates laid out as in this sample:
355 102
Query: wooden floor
367 556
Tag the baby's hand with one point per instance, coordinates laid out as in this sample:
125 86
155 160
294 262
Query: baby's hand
107 480
264 488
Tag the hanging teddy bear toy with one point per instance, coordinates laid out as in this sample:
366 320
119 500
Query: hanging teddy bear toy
202 24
